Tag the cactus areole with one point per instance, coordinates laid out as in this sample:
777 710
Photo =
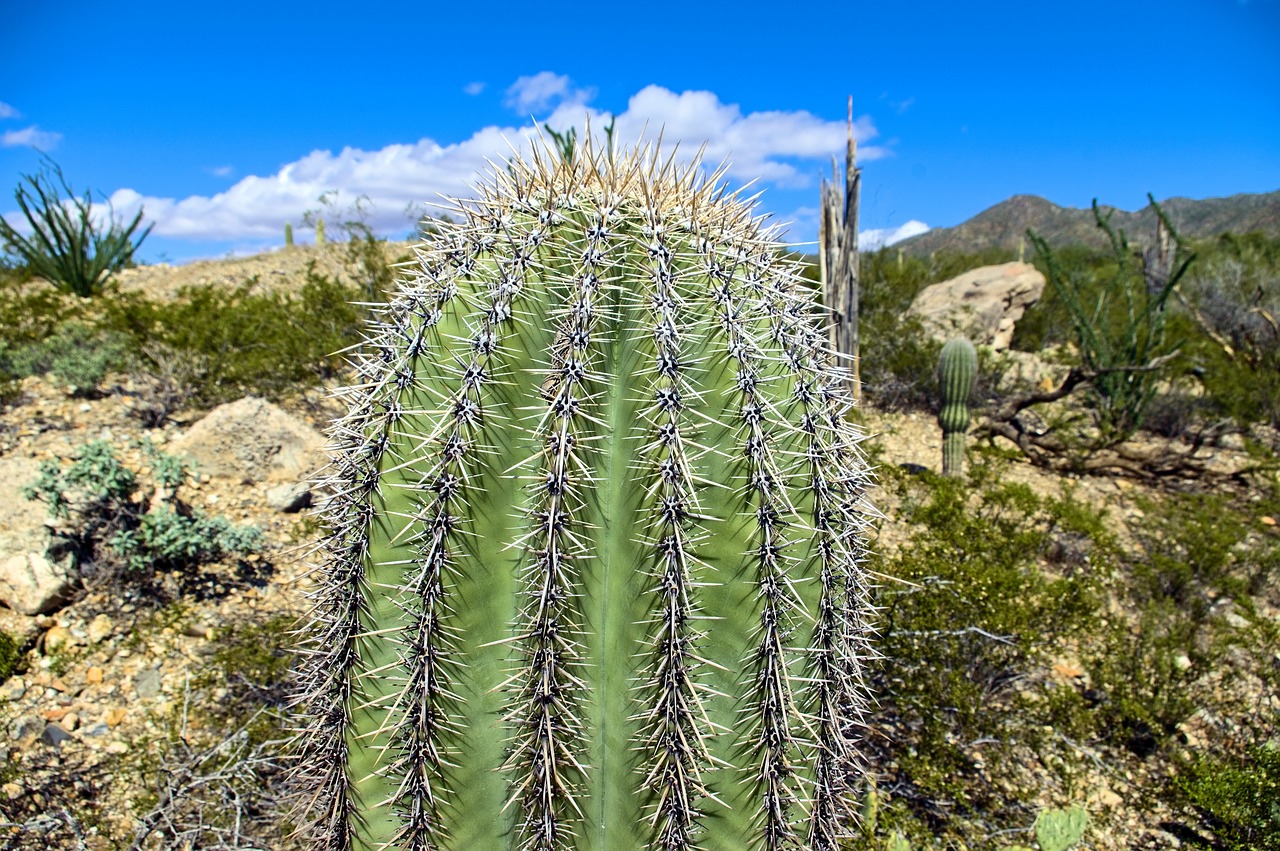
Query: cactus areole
594 572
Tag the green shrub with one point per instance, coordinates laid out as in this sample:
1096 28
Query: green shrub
972 618
1237 800
247 340
105 504
75 353
10 656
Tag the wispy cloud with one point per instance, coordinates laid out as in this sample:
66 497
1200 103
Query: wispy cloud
784 148
33 137
473 89
222 170
870 240
543 91
7 111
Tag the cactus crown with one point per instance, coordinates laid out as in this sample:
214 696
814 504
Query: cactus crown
594 576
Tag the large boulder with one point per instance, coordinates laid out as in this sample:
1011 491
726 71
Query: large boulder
983 304
252 440
38 569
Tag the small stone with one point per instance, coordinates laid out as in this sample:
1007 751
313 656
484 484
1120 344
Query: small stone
114 717
71 721
12 791
54 735
117 748
55 714
1233 441
148 683
57 638
1267 521
59 684
1236 621
289 498
93 676
100 628
1182 662
26 727
98 729
13 690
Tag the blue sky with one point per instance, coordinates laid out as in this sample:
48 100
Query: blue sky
224 120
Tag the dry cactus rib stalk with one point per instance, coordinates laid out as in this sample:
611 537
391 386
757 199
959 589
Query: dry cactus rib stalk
594 577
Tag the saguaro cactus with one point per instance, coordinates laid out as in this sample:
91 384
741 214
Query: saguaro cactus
957 365
594 576
288 235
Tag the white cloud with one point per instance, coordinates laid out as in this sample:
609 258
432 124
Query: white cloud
544 90
473 89
870 240
7 111
785 148
223 171
32 137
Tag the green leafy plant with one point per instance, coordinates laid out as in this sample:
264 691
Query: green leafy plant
104 502
594 575
67 246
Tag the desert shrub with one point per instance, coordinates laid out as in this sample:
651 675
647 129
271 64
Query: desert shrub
246 340
164 380
963 637
1233 295
10 656
77 354
125 533
1238 800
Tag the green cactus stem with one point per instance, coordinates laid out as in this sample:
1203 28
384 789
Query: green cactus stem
319 231
957 365
288 235
594 577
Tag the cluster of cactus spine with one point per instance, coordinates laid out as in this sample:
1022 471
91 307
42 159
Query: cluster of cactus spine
594 576
957 365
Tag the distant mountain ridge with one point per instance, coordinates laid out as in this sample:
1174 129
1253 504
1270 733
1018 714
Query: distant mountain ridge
1005 224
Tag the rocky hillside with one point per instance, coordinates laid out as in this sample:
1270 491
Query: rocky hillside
1005 225
147 711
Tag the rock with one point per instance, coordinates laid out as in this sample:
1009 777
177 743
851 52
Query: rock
1233 441
982 304
13 690
148 683
57 638
100 628
252 440
26 727
37 566
54 735
93 676
289 498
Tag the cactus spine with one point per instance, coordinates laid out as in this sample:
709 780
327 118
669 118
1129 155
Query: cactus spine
288 235
594 579
957 365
